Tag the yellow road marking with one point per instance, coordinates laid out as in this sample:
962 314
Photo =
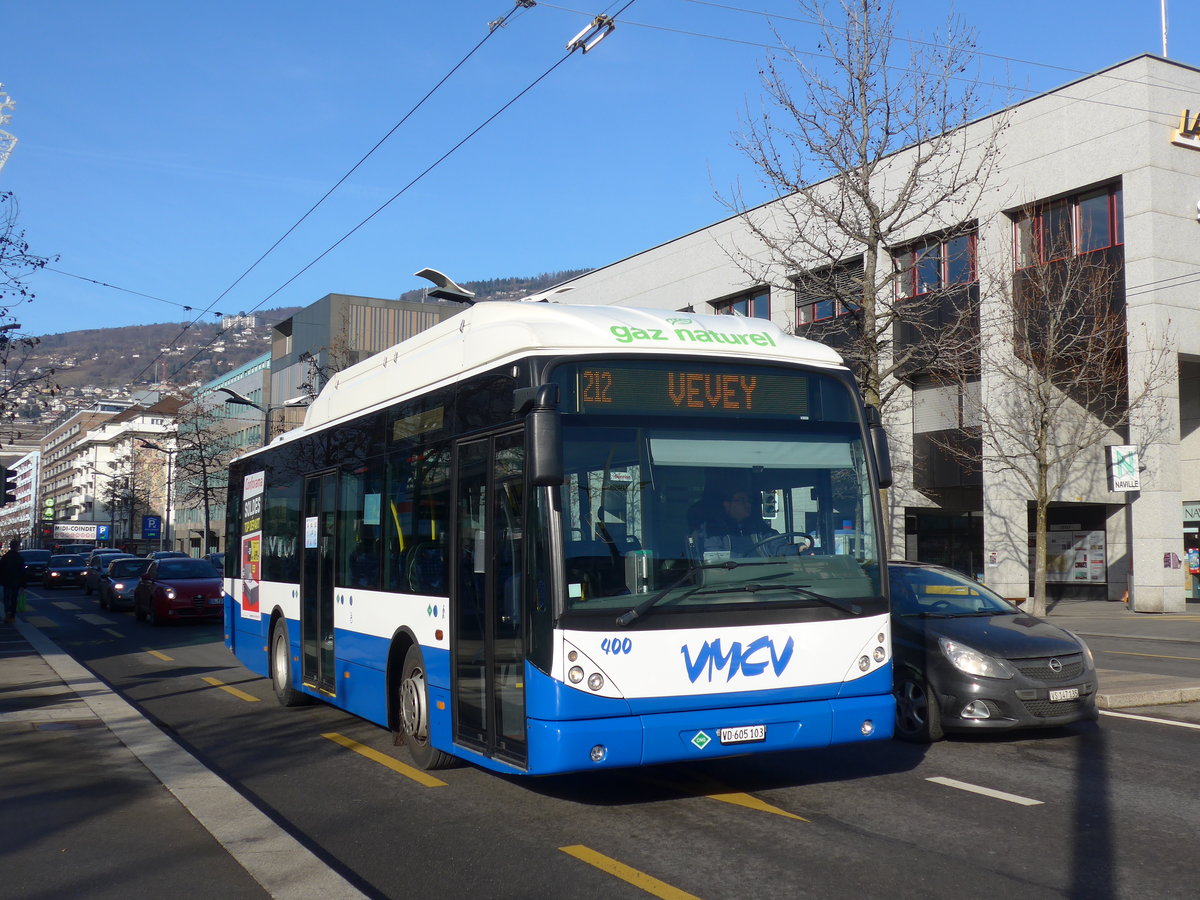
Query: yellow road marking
384 760
712 790
241 695
1151 655
647 883
39 621
751 802
160 655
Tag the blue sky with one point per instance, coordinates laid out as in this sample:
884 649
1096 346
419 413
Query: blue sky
164 147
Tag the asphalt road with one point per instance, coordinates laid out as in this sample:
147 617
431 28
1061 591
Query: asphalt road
1105 810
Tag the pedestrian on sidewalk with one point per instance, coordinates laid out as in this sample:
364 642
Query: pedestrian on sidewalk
12 571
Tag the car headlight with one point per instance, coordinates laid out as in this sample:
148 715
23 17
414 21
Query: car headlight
169 593
118 585
972 662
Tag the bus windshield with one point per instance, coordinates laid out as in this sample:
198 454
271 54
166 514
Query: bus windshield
767 513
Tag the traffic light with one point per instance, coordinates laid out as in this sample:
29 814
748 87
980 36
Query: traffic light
8 485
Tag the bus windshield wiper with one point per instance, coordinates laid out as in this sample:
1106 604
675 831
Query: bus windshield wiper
650 602
837 603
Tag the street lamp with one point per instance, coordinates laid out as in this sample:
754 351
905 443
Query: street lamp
237 399
166 529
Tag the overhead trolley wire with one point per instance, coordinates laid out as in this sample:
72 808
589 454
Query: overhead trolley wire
493 27
570 51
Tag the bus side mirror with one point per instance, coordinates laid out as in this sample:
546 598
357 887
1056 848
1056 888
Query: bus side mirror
879 446
543 427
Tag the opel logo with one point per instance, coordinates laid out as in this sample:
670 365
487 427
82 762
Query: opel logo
1055 665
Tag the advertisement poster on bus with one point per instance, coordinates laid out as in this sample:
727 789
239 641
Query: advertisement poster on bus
252 503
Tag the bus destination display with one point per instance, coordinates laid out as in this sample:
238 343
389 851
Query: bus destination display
689 388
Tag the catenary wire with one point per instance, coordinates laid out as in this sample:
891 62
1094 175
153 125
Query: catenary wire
399 193
492 29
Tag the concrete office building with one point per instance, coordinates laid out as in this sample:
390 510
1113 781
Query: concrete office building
1115 157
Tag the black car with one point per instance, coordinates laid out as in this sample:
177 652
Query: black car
65 570
35 562
965 659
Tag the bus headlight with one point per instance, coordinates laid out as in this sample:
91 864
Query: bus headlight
596 681
575 674
864 663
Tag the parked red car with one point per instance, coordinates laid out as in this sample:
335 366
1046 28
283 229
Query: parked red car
179 588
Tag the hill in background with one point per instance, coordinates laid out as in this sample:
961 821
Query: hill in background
115 363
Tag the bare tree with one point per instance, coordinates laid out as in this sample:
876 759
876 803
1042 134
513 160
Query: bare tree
204 448
122 493
1056 384
849 199
325 362
19 385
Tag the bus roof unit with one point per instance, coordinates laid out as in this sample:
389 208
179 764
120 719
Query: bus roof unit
489 334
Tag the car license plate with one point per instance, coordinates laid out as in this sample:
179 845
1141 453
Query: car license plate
1064 694
743 735
213 601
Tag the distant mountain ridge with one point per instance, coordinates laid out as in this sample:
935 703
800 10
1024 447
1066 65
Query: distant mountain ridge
116 362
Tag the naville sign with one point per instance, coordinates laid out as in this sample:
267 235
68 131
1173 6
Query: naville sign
1123 468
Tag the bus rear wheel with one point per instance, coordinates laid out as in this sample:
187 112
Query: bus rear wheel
414 714
281 667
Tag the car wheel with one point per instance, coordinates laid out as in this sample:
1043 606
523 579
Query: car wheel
151 616
103 601
281 667
918 716
414 714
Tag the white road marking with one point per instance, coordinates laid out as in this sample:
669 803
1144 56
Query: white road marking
1106 712
987 792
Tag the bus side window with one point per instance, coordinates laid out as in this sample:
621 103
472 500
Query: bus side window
360 521
415 510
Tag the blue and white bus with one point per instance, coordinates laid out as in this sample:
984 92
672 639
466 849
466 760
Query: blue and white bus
496 539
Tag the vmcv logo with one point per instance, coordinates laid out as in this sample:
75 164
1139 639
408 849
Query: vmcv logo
749 661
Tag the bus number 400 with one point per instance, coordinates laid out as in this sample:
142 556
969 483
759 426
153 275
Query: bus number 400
616 646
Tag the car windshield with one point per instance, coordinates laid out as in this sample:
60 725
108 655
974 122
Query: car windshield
34 555
66 561
185 568
125 568
919 590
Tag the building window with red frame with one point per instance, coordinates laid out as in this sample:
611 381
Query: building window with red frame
935 264
1070 226
754 305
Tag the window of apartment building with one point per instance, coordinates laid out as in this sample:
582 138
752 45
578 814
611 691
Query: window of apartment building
1088 221
754 305
828 293
939 406
934 264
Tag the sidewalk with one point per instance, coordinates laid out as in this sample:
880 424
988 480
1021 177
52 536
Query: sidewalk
1122 689
99 802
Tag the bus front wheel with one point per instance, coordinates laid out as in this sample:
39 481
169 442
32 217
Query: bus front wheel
414 714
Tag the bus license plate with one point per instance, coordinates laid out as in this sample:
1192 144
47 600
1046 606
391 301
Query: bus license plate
744 735
1064 694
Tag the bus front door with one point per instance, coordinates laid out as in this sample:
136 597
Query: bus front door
488 645
316 581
